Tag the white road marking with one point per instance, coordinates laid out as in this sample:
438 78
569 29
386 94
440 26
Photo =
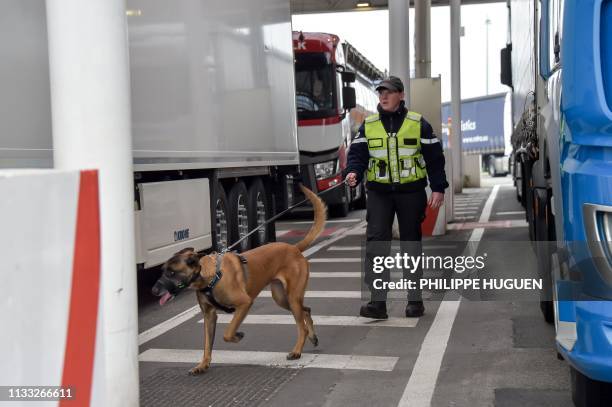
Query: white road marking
344 248
320 294
465 212
335 274
396 294
307 222
422 383
324 320
486 211
337 235
460 219
439 246
167 325
357 274
511 213
394 247
273 359
506 224
336 260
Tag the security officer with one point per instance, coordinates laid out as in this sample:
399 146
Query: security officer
399 151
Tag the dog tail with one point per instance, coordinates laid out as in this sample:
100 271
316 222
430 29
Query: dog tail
320 215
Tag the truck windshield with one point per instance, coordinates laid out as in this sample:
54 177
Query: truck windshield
314 77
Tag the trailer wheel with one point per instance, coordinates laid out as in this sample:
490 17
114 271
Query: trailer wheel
524 189
220 218
238 200
587 392
259 212
492 171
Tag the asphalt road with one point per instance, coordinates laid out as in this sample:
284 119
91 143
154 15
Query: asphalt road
462 352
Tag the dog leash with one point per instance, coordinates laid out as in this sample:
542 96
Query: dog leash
272 219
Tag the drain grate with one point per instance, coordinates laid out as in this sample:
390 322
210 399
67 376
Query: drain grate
220 386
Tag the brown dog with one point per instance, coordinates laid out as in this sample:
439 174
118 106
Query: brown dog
280 265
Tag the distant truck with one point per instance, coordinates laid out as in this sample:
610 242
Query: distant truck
213 113
483 130
330 110
559 63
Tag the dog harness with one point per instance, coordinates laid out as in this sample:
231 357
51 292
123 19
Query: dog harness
208 290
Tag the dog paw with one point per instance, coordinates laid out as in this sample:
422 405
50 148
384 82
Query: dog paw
235 339
199 369
314 340
293 356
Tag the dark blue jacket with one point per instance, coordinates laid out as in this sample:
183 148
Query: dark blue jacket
358 155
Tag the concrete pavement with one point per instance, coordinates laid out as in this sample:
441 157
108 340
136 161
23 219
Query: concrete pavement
466 353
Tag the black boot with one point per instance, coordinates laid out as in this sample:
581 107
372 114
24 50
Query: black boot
415 309
374 309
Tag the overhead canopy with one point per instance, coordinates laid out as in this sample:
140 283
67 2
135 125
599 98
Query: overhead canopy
327 6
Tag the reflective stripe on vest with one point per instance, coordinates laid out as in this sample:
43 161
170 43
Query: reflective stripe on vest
395 158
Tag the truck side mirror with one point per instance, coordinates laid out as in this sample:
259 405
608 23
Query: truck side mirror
349 100
506 65
348 76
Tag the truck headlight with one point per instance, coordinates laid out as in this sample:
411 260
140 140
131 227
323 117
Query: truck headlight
598 228
326 169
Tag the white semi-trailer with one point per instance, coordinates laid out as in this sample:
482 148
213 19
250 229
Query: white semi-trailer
213 115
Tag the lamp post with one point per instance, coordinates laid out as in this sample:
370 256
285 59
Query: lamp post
487 24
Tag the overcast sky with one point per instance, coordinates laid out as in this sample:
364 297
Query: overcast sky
368 31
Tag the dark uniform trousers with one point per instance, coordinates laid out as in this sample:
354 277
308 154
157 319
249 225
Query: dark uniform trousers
381 209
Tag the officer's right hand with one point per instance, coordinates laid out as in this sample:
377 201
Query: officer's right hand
351 179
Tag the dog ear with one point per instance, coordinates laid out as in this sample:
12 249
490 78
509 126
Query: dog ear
185 250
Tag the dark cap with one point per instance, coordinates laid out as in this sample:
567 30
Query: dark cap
393 83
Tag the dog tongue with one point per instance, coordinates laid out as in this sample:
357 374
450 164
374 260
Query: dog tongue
164 299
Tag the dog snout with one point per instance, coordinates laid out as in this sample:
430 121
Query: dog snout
156 290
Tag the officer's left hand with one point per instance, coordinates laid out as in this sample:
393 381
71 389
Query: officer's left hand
436 200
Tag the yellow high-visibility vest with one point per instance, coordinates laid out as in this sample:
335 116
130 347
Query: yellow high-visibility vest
395 158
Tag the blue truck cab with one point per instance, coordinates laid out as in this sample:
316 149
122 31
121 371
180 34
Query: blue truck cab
585 147
560 69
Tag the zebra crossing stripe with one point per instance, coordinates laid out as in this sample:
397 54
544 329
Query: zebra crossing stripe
335 274
336 260
323 320
273 359
358 248
321 294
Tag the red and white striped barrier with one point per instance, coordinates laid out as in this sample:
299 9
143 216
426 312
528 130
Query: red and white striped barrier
435 219
50 310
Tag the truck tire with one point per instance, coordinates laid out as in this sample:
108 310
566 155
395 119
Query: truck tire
587 392
220 218
259 213
238 203
524 189
341 210
543 252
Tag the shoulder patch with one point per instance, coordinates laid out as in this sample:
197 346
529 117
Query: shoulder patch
414 116
373 118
